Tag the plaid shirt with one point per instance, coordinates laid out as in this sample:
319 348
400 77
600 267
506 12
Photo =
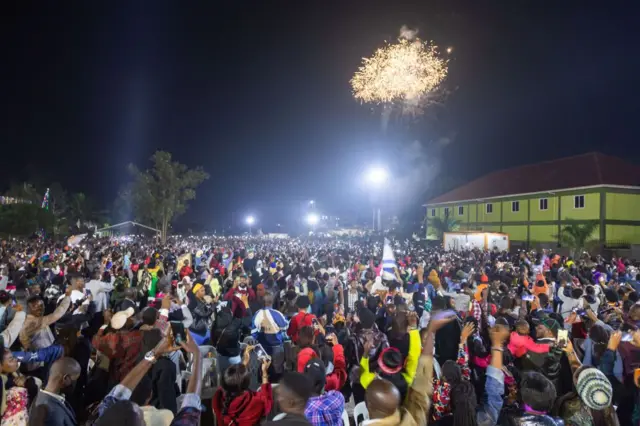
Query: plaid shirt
326 409
123 347
188 415
477 312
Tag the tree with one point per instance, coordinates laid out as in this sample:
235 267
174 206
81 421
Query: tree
25 193
160 194
440 225
578 236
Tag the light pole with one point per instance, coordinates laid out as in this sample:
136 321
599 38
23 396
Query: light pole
250 221
312 220
377 177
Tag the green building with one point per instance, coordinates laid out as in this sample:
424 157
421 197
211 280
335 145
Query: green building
531 203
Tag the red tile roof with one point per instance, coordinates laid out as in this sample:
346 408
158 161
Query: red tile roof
571 172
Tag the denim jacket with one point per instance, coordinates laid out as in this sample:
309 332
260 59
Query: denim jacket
488 413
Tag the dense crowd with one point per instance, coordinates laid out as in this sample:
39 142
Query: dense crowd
245 330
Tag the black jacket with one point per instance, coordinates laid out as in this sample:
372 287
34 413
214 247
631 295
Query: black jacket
201 313
163 384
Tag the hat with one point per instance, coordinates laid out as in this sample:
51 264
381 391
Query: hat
338 318
367 318
484 278
120 318
478 293
156 417
315 370
433 277
196 287
594 389
548 322
390 361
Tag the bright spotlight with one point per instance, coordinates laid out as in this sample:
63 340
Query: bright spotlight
251 220
377 175
312 219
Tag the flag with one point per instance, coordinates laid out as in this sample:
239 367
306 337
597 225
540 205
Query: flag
388 262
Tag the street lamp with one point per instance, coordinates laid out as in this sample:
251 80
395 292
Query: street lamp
312 219
377 177
250 221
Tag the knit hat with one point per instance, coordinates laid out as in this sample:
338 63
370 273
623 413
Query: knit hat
367 318
338 318
484 278
594 389
478 293
433 278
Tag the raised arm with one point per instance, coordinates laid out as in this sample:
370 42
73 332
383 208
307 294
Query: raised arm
11 333
62 309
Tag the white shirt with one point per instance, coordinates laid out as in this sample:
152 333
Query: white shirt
99 290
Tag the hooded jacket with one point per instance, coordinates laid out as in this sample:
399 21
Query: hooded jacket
245 409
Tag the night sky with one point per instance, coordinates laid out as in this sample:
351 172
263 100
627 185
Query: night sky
257 92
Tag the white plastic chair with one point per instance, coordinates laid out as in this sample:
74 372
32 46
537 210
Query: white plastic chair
279 417
360 410
345 418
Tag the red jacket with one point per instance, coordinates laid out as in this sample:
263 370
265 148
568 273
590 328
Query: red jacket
185 270
519 345
299 320
335 380
247 408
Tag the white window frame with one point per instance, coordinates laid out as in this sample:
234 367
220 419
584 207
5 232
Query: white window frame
546 204
513 206
433 212
487 207
576 204
446 211
460 210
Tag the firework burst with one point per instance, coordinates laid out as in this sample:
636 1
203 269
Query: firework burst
405 72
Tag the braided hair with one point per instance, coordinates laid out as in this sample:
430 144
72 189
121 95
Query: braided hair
235 382
463 396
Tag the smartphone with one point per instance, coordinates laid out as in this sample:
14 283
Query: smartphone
626 337
563 337
179 334
314 321
528 297
261 353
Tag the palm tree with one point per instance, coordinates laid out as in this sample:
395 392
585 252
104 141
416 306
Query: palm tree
440 225
578 236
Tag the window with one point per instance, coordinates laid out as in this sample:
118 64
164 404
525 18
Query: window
446 211
544 204
515 206
433 212
460 210
578 202
489 208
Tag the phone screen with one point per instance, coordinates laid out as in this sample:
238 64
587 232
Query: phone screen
179 334
528 297
260 352
563 337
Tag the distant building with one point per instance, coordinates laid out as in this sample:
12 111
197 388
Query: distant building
532 203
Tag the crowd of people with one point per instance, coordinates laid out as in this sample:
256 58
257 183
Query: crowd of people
132 331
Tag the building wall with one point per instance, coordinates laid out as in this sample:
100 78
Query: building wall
623 206
543 233
591 210
516 232
530 224
617 234
508 215
544 215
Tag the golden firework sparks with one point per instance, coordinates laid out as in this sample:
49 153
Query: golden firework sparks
400 72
